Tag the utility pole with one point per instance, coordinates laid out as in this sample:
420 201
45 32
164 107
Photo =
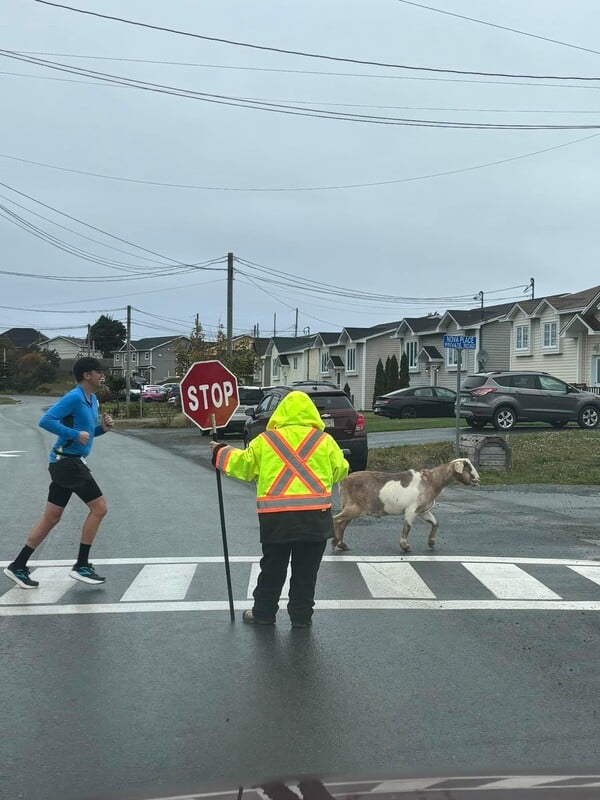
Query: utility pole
532 287
296 325
128 356
275 324
479 349
88 340
229 304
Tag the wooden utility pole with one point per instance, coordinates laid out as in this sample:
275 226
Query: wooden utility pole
128 368
296 325
229 304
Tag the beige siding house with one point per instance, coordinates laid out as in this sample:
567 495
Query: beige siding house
559 334
363 348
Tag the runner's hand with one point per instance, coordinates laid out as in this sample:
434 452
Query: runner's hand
83 437
107 422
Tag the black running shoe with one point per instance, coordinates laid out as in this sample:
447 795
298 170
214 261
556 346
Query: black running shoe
20 575
86 574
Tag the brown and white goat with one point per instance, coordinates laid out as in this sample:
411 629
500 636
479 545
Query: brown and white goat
411 493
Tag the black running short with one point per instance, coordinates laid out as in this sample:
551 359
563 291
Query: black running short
71 476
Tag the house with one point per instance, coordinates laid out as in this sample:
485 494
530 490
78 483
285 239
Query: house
152 359
70 348
23 337
559 334
291 358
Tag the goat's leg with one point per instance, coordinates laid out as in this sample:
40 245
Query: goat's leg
408 520
429 517
340 521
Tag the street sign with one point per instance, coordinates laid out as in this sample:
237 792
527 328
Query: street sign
208 388
460 342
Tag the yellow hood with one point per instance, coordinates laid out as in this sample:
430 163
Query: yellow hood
296 408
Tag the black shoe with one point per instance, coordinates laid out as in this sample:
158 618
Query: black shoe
302 624
86 574
249 618
20 575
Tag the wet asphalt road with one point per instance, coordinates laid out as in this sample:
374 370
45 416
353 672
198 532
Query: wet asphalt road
169 697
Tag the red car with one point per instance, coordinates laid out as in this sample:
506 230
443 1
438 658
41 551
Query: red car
154 394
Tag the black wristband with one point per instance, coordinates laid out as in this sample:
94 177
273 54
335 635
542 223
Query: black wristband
215 451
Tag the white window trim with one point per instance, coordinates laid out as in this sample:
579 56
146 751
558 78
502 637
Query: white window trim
324 362
147 356
549 347
349 369
523 348
117 357
414 345
275 372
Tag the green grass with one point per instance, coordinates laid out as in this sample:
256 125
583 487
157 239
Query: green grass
7 401
568 457
376 424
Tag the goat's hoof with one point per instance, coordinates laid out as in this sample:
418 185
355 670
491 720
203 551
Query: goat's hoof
405 547
341 546
431 545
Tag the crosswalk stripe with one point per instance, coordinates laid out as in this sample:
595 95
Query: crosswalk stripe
254 572
394 580
509 582
54 583
160 582
590 572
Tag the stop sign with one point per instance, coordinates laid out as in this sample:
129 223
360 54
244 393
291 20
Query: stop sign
207 388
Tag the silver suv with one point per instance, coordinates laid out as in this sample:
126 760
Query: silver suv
505 398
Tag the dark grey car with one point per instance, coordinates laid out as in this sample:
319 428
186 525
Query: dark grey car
505 398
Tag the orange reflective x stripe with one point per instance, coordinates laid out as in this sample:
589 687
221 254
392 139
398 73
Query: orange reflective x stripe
294 462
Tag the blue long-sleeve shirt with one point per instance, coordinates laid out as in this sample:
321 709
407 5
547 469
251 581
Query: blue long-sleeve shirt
83 414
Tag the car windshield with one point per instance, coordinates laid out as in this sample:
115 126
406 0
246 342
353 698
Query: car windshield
249 396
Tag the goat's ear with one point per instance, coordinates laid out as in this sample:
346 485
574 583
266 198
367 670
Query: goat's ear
459 465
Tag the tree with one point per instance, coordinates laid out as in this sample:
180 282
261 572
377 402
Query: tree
108 334
32 369
379 388
388 375
242 361
394 375
404 380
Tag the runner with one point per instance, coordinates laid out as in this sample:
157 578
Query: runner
74 419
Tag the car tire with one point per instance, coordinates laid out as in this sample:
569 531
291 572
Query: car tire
475 423
559 423
505 418
409 412
589 416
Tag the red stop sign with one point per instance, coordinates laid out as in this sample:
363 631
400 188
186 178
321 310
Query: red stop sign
208 387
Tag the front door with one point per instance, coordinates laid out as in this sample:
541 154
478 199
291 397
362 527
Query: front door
595 376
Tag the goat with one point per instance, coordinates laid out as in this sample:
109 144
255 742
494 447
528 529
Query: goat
411 493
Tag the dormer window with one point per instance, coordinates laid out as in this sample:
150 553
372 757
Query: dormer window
549 335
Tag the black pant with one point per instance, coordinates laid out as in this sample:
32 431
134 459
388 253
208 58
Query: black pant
306 559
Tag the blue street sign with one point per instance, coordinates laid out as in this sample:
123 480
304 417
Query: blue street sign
460 342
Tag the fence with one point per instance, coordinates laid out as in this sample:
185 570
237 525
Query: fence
585 388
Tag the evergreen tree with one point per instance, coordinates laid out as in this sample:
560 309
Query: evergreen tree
108 334
404 380
388 375
379 388
394 375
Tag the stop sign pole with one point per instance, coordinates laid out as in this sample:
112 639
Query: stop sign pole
209 398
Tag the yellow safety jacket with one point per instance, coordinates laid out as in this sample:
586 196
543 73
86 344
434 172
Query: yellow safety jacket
294 463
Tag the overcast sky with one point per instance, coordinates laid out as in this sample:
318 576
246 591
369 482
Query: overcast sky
422 241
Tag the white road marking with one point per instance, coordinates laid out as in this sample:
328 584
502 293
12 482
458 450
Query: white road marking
341 557
590 572
509 582
285 592
394 580
54 583
323 605
160 582
11 453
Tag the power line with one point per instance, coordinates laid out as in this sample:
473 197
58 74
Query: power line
305 54
387 182
501 27
283 108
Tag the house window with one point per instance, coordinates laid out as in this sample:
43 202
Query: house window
133 356
324 361
451 358
351 359
275 369
522 337
411 354
117 357
295 362
147 356
549 334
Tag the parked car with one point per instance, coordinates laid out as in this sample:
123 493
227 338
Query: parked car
342 421
248 396
506 398
154 394
135 390
422 401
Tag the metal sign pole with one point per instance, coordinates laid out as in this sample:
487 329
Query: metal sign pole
223 532
457 405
